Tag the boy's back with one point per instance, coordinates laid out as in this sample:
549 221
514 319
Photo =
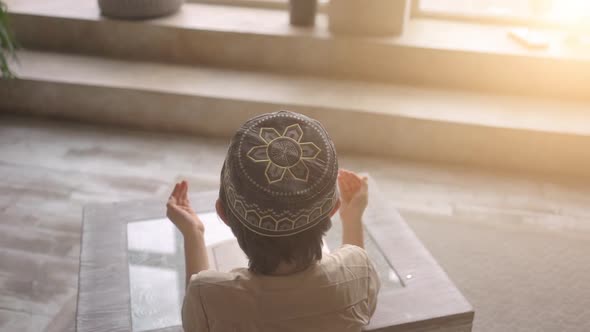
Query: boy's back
280 186
337 294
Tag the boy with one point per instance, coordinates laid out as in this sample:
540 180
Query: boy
277 194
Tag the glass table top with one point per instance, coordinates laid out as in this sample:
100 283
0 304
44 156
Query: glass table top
156 265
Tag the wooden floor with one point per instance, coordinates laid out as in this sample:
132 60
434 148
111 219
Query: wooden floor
512 243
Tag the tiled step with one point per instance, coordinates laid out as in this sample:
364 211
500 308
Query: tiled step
430 53
372 118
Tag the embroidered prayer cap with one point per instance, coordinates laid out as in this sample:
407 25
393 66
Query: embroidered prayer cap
280 174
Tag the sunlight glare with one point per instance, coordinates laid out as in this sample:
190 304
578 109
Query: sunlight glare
570 11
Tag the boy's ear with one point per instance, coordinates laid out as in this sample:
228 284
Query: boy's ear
336 207
220 211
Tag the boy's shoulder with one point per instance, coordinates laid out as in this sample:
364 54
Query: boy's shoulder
210 277
347 262
353 250
350 254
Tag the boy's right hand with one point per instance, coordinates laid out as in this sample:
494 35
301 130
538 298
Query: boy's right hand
353 195
181 213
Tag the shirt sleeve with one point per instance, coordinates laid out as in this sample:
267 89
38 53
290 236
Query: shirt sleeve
374 286
194 318
358 256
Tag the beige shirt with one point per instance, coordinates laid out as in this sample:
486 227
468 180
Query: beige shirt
337 294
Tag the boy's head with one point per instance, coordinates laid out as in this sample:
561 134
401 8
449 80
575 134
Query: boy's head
278 189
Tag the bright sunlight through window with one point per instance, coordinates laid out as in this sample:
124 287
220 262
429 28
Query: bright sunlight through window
566 12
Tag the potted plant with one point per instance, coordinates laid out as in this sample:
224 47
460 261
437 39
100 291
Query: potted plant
139 9
368 17
303 12
7 43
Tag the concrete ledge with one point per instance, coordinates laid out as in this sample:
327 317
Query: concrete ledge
425 124
428 53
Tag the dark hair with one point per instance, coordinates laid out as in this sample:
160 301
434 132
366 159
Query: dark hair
265 253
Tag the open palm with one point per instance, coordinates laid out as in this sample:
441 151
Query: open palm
180 212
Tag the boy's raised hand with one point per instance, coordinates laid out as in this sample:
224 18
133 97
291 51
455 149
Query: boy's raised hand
353 195
180 212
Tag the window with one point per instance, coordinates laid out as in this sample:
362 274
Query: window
526 12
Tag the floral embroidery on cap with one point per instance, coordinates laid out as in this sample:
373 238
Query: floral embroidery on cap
284 153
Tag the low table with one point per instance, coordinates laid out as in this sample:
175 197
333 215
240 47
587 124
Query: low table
132 269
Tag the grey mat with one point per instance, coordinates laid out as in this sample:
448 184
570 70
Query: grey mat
517 278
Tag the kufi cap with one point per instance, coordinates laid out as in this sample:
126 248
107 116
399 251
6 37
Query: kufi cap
280 174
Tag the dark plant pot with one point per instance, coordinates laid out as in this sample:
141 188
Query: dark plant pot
303 12
138 9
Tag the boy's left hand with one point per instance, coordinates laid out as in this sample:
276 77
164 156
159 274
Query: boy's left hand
180 212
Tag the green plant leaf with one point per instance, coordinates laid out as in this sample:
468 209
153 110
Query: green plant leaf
5 40
8 44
